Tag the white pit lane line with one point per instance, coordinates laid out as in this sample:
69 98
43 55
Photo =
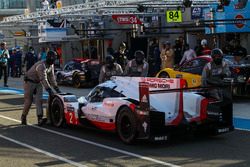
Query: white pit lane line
43 152
96 144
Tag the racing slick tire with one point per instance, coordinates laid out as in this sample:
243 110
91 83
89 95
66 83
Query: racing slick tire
57 112
164 75
126 125
76 79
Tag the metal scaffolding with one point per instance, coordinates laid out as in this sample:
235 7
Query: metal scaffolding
100 7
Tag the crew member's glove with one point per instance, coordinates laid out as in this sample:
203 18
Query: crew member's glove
57 90
50 91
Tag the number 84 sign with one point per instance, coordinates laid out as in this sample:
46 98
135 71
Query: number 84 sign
174 16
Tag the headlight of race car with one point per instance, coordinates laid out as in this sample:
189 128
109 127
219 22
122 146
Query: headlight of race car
241 78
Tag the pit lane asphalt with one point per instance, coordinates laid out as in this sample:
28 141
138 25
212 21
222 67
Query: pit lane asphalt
75 146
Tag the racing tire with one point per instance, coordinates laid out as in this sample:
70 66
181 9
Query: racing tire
76 80
126 125
57 112
163 75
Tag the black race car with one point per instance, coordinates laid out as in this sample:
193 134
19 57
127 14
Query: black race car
240 74
79 72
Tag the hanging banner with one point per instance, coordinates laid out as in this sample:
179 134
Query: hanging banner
174 16
196 13
126 19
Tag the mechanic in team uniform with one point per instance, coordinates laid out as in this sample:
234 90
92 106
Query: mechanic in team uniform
38 76
109 69
137 67
121 56
215 71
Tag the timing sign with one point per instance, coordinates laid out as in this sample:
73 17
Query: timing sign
174 16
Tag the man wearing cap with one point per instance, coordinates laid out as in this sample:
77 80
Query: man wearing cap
167 56
215 71
121 56
38 76
109 69
4 56
137 67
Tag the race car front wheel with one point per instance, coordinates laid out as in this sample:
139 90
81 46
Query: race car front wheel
57 112
76 80
126 125
164 75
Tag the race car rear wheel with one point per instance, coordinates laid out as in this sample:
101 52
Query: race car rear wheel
164 75
126 125
57 112
76 80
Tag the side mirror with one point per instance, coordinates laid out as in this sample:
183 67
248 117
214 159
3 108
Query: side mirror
83 100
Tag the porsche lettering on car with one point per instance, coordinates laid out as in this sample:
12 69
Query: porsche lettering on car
142 108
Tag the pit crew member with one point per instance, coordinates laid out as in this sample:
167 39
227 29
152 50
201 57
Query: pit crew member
137 67
215 71
40 75
109 69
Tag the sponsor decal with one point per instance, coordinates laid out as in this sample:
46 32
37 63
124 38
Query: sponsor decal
108 104
160 138
157 80
223 130
239 23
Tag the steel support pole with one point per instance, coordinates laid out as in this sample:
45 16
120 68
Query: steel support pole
31 5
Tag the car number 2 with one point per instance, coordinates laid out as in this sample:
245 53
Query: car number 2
71 118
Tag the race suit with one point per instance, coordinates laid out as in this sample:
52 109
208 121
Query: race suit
40 75
106 73
212 75
134 70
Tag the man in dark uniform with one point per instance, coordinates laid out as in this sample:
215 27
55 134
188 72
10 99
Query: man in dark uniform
121 56
215 71
18 62
40 75
109 69
137 67
30 58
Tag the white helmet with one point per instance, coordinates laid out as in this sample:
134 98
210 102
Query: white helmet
204 42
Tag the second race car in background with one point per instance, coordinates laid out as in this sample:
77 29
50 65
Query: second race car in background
79 72
191 71
143 108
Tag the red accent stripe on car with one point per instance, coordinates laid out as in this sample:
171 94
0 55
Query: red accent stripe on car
104 125
179 118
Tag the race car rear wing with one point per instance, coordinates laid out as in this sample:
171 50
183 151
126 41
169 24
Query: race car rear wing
150 121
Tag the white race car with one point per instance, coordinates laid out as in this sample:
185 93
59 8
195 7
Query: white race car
143 108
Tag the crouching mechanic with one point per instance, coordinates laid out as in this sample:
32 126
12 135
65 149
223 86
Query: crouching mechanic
214 72
38 76
137 67
109 69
